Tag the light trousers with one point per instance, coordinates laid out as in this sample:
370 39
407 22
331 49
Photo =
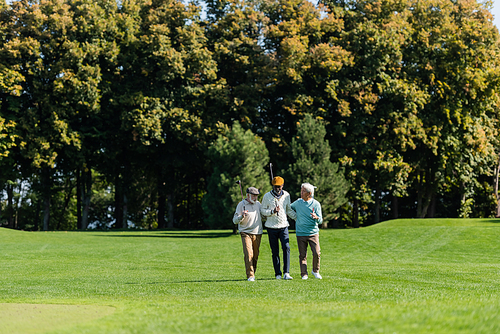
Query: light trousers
251 245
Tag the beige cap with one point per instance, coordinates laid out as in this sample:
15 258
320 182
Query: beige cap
253 191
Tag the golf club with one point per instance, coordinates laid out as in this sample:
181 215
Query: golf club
271 169
241 190
272 177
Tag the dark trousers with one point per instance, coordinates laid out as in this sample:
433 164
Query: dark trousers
277 235
302 243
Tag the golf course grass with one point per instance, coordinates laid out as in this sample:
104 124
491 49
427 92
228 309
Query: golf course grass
400 276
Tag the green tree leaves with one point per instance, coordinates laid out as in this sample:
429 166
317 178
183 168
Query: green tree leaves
311 163
138 92
235 155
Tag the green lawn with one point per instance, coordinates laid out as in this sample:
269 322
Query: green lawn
402 276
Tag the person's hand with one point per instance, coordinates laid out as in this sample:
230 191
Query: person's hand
314 215
277 209
244 213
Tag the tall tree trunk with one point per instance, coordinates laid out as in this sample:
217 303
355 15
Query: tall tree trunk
125 211
68 194
162 198
188 209
86 196
125 194
118 201
37 215
161 210
46 187
46 213
18 204
377 204
16 213
170 205
497 174
79 225
425 192
10 205
420 194
355 213
432 208
395 207
427 201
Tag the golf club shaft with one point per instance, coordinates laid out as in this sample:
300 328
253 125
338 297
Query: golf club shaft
272 177
241 191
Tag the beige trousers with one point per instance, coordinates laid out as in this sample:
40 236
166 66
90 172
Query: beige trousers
313 241
251 245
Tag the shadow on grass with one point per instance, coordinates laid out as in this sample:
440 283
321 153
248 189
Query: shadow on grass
203 281
173 235
493 221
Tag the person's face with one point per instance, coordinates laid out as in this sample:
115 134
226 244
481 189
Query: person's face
304 194
252 197
278 189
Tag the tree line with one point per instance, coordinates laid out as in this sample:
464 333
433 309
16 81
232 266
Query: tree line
146 112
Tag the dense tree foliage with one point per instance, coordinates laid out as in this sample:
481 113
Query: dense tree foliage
236 155
311 155
145 112
421 100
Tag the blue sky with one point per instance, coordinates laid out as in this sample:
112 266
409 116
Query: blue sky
496 13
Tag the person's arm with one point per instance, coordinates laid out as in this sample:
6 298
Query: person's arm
259 215
238 214
288 207
267 206
318 213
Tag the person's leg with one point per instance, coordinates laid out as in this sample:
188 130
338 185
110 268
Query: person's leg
273 235
256 245
302 244
285 245
247 253
316 250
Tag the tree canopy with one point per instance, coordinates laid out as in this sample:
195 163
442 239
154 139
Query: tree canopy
145 112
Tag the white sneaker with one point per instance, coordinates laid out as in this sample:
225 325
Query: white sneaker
287 276
251 279
305 277
278 276
317 275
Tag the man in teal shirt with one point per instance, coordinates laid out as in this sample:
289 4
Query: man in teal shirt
309 216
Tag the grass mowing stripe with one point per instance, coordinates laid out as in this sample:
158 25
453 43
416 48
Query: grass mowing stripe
403 276
40 318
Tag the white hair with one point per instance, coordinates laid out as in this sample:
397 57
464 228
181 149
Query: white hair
309 188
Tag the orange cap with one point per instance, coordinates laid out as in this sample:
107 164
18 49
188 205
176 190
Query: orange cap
278 181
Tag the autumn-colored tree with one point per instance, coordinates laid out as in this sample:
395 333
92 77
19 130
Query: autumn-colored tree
452 58
397 116
56 56
153 90
128 96
234 35
302 42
